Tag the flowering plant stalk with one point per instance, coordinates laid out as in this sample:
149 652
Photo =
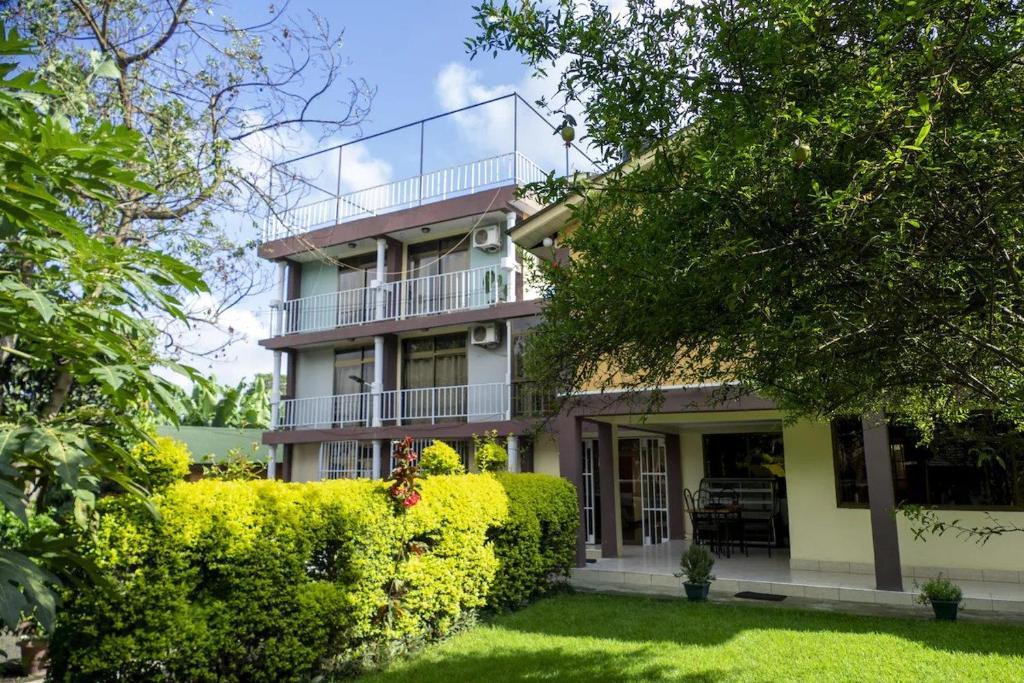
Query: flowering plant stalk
405 489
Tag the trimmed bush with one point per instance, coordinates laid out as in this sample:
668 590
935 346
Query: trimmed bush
538 541
263 581
165 460
489 454
440 458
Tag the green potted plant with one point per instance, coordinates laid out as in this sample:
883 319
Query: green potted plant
696 564
943 595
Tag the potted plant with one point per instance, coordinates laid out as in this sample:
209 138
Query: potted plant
943 595
696 565
34 646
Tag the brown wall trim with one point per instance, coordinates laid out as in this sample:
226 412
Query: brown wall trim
460 430
378 226
688 400
518 309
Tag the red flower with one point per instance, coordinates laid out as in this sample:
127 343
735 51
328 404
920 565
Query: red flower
411 499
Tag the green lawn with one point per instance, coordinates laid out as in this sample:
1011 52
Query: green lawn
595 638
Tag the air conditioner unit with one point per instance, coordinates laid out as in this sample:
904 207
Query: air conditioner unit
487 239
488 334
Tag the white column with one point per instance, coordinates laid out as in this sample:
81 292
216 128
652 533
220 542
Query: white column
508 262
378 451
509 396
381 279
377 388
277 321
513 453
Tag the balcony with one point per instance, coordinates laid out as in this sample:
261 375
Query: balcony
413 297
462 403
501 142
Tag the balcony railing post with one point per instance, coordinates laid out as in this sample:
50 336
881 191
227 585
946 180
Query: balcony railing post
337 193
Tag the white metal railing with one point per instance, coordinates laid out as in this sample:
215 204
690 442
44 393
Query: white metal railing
442 403
343 410
427 295
433 186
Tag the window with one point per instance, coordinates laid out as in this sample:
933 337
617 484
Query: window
353 375
427 295
355 302
428 363
757 454
979 463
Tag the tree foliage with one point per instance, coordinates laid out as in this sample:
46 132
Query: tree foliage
824 202
68 292
244 406
210 97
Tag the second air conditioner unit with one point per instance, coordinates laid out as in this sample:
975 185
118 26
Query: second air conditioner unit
487 239
488 334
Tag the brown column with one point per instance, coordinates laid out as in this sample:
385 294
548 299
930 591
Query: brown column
882 499
607 479
570 464
674 465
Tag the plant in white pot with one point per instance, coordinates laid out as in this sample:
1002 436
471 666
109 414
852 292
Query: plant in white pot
943 595
696 565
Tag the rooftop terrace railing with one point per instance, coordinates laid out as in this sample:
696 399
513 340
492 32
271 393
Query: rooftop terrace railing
499 142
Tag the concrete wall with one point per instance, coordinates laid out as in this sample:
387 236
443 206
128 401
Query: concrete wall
484 366
545 454
318 277
306 462
833 537
314 373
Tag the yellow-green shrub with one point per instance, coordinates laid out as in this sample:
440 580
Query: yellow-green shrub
538 539
165 460
440 458
264 581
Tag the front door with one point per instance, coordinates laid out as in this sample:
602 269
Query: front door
643 490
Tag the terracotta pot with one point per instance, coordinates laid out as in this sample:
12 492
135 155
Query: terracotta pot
35 655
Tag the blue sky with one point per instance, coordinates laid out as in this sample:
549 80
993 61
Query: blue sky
413 53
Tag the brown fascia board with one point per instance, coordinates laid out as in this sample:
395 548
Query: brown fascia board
518 309
455 430
678 400
378 226
552 218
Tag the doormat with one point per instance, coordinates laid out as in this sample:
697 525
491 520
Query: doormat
753 595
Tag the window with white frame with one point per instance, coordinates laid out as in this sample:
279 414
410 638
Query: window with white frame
346 460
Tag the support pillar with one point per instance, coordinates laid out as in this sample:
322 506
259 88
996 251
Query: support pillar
375 467
607 478
512 446
277 322
570 464
882 501
508 262
674 471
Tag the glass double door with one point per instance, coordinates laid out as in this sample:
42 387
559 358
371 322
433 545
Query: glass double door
434 378
643 491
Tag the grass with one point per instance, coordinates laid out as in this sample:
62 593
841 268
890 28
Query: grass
589 638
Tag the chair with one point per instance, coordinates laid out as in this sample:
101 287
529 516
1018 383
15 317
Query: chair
705 527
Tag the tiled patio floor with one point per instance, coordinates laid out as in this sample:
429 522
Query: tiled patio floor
653 566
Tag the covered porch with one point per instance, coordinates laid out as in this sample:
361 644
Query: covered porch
651 569
635 522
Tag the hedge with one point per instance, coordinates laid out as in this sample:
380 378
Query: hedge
264 581
537 541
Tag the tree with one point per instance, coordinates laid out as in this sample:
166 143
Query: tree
76 362
824 203
245 406
210 98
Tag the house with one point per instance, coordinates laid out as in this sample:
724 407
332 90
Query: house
402 300
821 493
402 310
